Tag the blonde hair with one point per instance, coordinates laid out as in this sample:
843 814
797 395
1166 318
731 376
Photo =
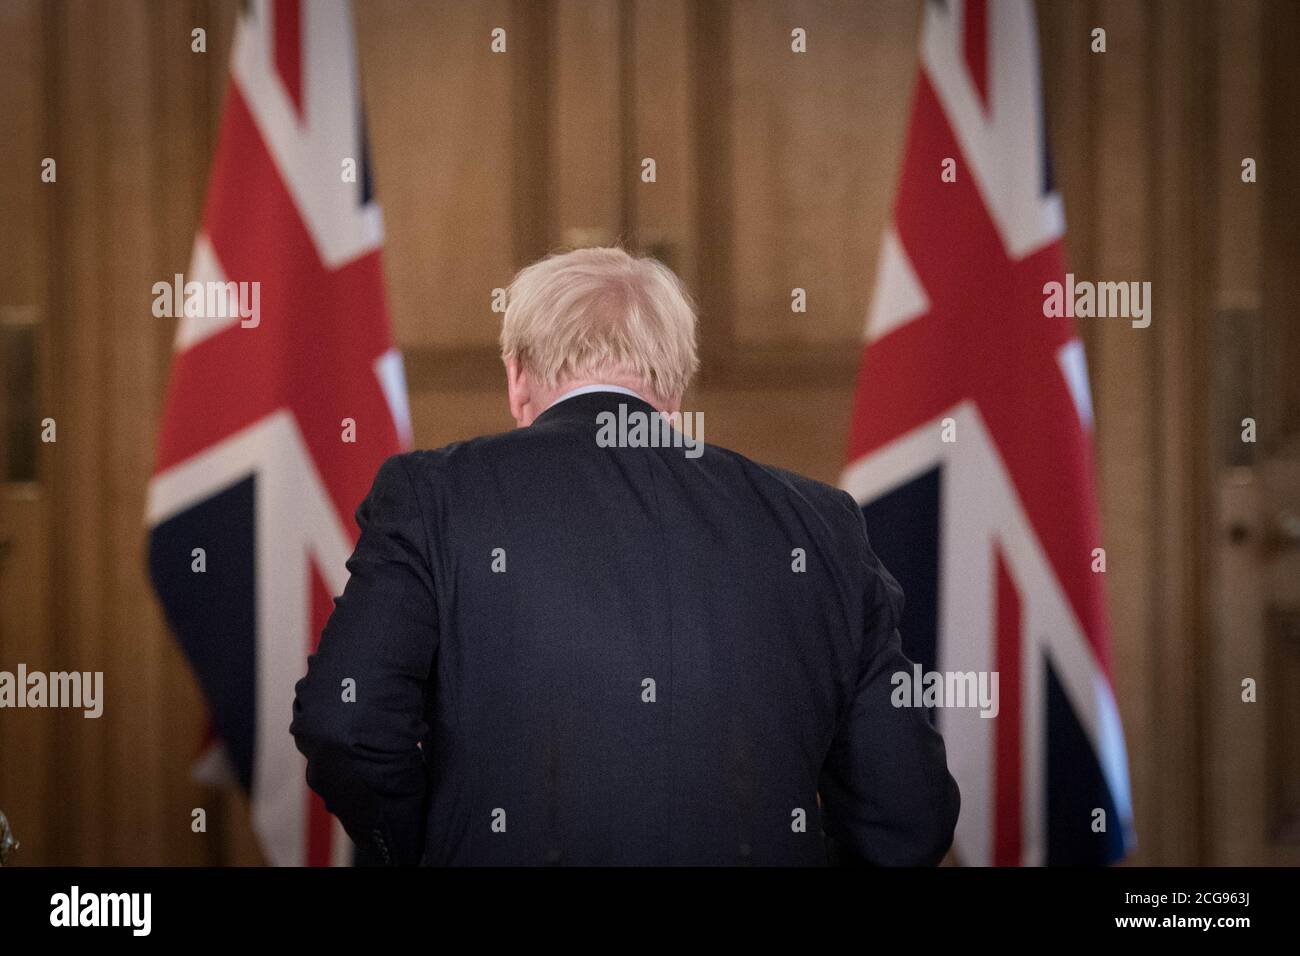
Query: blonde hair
598 311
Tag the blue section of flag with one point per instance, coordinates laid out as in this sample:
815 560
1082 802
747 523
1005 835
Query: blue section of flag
214 612
903 527
1076 789
367 172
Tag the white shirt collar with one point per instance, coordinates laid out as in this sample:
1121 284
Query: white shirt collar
587 389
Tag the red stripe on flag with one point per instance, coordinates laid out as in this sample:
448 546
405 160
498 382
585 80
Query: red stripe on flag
320 823
288 49
975 38
320 333
1006 825
320 831
985 339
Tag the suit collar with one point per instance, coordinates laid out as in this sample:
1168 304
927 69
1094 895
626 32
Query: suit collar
584 389
584 407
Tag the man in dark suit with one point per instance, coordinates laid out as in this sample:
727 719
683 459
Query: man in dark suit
576 644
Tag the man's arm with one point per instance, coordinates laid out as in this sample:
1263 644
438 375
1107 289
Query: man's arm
888 797
362 755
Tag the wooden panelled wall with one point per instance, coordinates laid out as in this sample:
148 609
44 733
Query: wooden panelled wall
773 171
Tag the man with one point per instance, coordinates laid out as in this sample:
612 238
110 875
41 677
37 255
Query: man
567 650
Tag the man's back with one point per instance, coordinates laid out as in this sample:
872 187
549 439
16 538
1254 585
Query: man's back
617 655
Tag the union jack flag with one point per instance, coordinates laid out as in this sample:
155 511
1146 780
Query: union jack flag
273 430
971 452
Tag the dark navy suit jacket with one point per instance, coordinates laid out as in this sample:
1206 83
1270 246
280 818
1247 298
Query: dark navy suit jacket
572 654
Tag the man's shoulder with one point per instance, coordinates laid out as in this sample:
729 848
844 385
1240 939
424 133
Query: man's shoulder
463 462
818 494
466 461
468 452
